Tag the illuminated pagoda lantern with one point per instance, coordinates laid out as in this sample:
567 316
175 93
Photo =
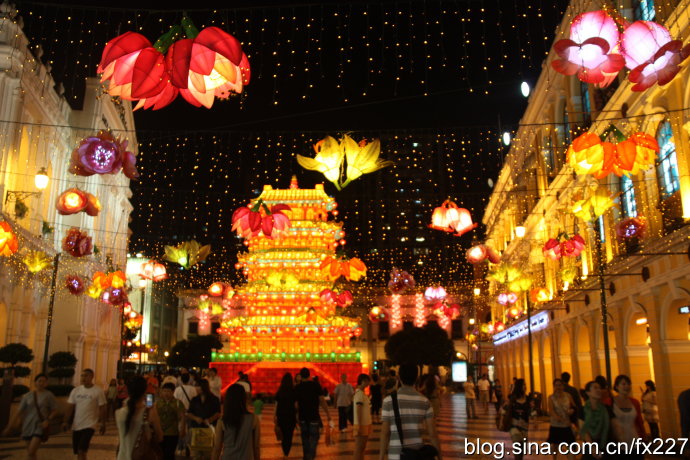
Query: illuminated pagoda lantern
282 322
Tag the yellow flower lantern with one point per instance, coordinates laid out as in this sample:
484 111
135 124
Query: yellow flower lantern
187 253
594 206
36 261
8 240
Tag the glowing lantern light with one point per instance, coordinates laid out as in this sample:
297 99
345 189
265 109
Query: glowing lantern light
587 154
572 246
103 154
75 284
74 200
499 326
539 295
400 281
506 138
651 55
435 293
41 179
520 231
552 249
480 252
8 240
36 261
507 298
636 153
153 271
524 88
77 243
187 253
594 206
396 312
449 218
216 289
260 219
521 284
419 310
514 312
631 228
591 51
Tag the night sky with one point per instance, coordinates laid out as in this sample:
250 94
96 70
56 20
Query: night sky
437 81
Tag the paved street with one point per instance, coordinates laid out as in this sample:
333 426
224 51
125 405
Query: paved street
453 429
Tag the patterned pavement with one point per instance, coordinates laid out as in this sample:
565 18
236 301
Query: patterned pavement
452 425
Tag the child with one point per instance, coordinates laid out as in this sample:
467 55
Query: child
258 405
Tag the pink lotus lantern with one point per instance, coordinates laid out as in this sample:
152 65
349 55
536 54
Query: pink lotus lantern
507 298
651 54
631 228
572 247
591 50
153 271
552 249
435 293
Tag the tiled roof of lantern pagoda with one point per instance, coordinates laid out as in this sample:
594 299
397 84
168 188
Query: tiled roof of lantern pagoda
295 196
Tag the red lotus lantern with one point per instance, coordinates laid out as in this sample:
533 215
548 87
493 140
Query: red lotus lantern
77 243
507 298
514 312
216 289
651 54
259 219
377 314
153 271
74 200
591 51
75 284
572 246
400 281
539 295
476 254
631 228
8 240
344 299
499 326
449 218
552 249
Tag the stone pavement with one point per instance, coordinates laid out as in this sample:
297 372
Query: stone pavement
452 425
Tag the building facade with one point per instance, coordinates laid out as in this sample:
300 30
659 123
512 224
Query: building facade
39 130
645 281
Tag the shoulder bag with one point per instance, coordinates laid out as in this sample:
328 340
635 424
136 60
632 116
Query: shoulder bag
504 418
426 452
45 433
146 446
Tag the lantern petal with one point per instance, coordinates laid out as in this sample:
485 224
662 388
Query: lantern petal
177 61
220 42
120 46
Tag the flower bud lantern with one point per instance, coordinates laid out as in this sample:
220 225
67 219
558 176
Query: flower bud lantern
449 218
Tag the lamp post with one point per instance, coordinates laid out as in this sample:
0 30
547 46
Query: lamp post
51 307
529 342
41 180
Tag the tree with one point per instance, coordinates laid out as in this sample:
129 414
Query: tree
195 352
62 364
419 346
14 353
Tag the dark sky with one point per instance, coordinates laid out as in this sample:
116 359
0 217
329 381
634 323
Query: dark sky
437 81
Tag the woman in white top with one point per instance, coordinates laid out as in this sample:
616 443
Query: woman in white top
561 407
130 420
362 419
650 409
627 415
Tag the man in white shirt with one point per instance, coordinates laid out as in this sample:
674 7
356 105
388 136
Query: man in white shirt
484 386
185 392
214 382
88 405
343 400
470 397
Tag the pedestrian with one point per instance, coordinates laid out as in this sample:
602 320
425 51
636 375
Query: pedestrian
215 383
121 393
185 392
88 406
650 409
204 410
362 416
430 389
169 378
343 400
258 405
152 384
627 415
578 414
138 425
498 393
519 407
309 399
171 413
483 385
238 432
376 394
606 398
595 427
391 383
285 416
405 414
511 388
561 408
36 409
111 397
470 397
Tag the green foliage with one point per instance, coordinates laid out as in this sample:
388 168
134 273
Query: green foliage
21 371
14 353
20 209
61 373
60 390
62 359
419 346
195 352
19 391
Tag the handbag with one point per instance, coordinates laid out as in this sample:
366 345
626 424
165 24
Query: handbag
504 418
146 446
46 431
202 439
426 452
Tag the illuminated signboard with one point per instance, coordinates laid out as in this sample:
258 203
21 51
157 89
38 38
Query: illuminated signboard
539 321
459 371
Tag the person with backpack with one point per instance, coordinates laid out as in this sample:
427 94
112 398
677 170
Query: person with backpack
404 414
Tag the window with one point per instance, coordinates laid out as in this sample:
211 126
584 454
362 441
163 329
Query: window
644 10
667 164
193 328
628 203
384 330
456 329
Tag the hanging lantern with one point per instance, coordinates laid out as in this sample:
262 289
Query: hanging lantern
8 240
435 293
587 154
631 228
103 154
507 298
77 243
153 271
259 219
476 254
637 153
539 295
594 206
651 54
572 246
552 249
36 261
187 254
400 281
74 284
74 200
449 218
499 326
568 275
591 51
521 284
514 312
216 289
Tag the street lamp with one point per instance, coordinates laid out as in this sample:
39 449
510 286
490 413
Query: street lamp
520 231
40 181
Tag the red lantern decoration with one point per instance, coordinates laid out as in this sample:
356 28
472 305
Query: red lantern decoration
75 284
449 218
8 240
573 246
153 271
507 298
591 51
514 312
77 243
651 54
539 295
74 200
631 228
499 326
259 219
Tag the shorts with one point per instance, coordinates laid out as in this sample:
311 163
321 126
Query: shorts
517 434
81 439
483 395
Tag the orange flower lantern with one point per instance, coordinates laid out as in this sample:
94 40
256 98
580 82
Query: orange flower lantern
353 269
589 155
154 271
539 295
216 289
514 312
637 153
8 240
449 218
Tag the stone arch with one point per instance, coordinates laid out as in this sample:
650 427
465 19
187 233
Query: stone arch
671 327
549 363
564 350
636 344
583 352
